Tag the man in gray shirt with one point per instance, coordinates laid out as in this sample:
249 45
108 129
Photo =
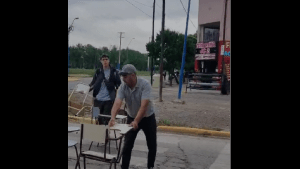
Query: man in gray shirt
136 92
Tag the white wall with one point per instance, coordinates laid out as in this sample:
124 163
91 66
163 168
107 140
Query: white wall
213 11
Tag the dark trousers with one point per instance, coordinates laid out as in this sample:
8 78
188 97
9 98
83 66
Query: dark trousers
105 108
148 125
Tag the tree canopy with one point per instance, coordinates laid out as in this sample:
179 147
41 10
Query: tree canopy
173 50
87 56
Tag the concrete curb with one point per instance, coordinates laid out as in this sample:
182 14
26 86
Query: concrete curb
195 131
71 79
165 128
85 120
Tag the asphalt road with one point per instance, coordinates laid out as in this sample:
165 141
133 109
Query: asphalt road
173 151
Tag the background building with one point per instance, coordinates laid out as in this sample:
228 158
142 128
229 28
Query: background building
210 29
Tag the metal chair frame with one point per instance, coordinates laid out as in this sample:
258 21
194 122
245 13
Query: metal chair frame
72 143
89 154
85 91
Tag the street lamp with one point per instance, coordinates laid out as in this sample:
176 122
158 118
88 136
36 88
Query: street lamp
70 28
82 56
82 61
127 47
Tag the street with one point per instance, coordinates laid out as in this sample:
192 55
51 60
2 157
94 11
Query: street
173 151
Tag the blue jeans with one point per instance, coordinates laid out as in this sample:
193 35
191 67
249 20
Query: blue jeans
148 125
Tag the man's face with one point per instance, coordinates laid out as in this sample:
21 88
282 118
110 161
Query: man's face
105 61
128 79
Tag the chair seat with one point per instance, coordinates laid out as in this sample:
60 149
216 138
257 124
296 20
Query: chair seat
98 154
117 117
71 143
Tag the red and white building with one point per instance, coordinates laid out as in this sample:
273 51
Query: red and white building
209 47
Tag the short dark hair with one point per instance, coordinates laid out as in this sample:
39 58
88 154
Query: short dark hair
104 56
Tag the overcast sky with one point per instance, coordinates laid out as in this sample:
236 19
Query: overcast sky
100 21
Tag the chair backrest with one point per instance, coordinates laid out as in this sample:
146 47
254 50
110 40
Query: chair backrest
82 88
96 133
79 94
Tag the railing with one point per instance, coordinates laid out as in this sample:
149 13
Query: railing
204 81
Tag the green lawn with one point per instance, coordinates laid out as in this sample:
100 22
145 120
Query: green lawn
91 72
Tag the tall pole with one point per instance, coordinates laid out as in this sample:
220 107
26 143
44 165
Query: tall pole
162 51
70 28
184 52
224 83
152 57
120 50
68 53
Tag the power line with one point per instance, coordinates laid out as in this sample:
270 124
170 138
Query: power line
143 4
186 13
157 5
139 9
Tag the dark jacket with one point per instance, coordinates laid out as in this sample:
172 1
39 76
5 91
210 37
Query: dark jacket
112 83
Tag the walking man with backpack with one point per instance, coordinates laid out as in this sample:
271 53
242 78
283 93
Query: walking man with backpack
104 85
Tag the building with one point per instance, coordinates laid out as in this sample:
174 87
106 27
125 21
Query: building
209 48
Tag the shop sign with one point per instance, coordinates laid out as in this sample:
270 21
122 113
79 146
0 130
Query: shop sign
209 56
206 51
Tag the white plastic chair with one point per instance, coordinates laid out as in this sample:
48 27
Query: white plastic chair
78 97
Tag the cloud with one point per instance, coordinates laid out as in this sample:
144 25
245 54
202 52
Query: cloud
100 21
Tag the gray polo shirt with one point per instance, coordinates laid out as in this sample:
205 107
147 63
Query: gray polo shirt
133 98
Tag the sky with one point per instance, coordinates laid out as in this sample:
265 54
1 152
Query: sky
100 21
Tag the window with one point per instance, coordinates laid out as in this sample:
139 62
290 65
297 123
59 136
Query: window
211 34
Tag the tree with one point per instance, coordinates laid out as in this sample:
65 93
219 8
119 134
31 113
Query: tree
91 56
173 49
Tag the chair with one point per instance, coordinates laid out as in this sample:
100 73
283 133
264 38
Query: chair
72 143
96 113
77 99
98 133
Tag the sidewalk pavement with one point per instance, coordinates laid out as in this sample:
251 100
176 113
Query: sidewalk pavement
223 160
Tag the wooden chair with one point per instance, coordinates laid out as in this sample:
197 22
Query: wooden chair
100 134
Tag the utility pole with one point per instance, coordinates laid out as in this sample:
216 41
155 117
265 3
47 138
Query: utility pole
224 79
120 50
152 42
162 51
184 52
